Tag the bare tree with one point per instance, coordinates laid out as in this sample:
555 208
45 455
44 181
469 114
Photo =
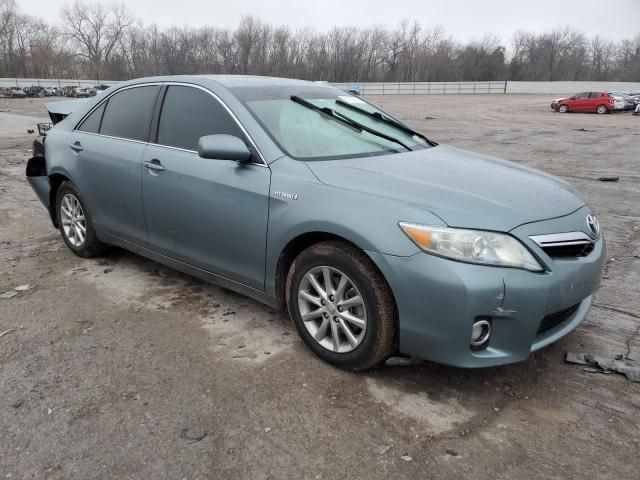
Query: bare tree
95 30
101 41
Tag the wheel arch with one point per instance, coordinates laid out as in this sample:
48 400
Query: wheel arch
55 180
301 242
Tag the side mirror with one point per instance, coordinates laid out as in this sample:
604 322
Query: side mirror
223 147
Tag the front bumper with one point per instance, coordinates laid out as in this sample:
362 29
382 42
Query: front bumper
438 300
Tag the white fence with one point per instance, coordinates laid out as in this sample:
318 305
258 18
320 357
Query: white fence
571 87
51 82
426 88
443 88
399 88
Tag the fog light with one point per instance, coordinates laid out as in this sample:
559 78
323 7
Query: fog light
480 333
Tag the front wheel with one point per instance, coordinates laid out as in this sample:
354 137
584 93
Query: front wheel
602 109
341 306
563 109
74 221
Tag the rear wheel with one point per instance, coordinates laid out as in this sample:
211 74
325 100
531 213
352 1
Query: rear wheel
563 109
341 306
602 109
74 221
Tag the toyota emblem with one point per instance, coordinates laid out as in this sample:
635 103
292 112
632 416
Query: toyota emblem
593 224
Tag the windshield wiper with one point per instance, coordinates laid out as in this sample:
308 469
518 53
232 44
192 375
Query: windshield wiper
383 118
347 120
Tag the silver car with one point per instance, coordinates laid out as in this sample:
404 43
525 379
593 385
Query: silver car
376 239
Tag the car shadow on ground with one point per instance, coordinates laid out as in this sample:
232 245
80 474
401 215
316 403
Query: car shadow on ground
143 283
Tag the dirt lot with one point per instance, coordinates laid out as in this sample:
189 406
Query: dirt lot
121 368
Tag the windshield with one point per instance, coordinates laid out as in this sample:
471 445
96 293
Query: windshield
307 134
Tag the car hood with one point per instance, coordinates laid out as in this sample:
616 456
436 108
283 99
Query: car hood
463 188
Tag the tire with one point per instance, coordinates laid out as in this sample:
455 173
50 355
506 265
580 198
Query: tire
367 296
73 216
563 109
602 109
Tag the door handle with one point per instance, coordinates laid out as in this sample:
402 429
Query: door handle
76 146
154 165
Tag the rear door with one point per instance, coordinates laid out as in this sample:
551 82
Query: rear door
595 99
105 157
208 213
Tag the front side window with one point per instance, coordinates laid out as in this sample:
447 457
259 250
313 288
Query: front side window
582 95
189 113
305 133
128 113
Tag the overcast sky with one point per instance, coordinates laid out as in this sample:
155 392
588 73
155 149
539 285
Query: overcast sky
463 19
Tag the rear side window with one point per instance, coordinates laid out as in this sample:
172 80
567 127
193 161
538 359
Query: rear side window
128 113
596 94
91 124
189 113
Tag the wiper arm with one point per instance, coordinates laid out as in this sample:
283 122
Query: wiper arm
327 111
383 118
346 120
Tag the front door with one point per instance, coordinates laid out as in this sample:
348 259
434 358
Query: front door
580 102
211 214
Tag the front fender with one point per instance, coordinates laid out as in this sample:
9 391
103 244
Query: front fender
300 204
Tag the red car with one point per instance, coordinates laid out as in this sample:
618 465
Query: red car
600 102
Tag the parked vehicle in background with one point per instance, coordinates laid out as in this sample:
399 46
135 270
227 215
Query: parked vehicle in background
79 92
354 89
630 102
600 102
16 92
374 238
619 103
100 87
34 91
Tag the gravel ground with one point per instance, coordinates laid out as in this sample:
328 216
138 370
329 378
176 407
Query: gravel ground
121 368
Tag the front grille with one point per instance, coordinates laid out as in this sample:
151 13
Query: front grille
574 250
565 245
557 318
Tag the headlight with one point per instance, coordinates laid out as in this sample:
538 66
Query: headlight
473 246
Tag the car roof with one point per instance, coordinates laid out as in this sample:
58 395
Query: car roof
227 81
254 80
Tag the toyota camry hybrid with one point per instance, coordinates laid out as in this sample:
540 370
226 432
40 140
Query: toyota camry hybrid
377 240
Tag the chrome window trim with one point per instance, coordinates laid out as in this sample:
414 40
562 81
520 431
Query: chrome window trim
561 239
97 105
262 163
132 140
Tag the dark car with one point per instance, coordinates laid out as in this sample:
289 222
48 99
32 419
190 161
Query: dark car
34 91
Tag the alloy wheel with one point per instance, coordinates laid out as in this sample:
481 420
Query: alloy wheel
73 220
332 309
